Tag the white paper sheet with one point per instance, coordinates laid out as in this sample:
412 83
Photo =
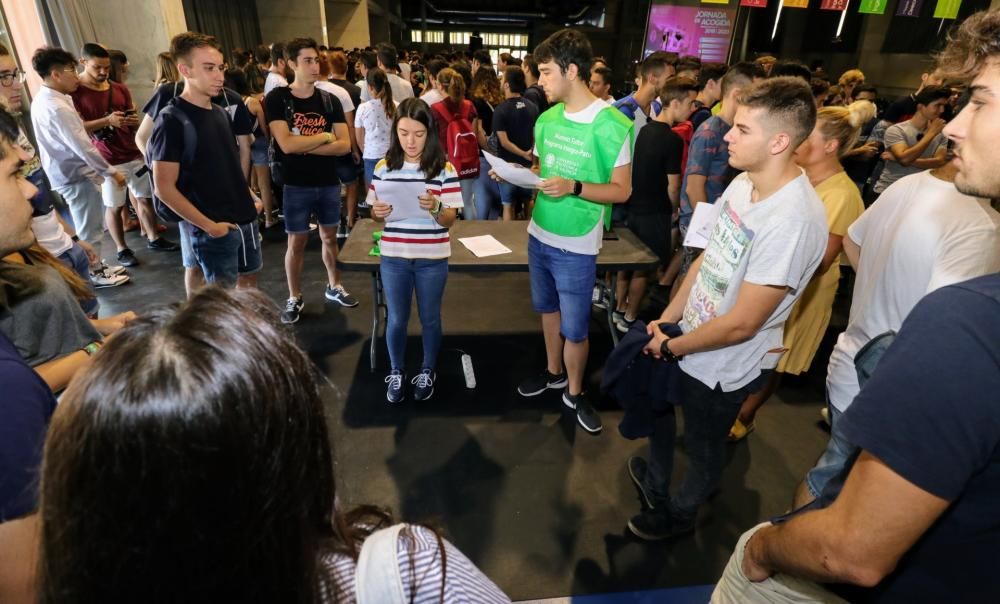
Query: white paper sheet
402 196
702 222
513 173
484 245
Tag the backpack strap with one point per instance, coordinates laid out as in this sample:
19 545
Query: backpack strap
327 101
190 133
376 578
289 109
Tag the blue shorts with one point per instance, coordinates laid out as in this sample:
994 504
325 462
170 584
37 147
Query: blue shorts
347 170
76 259
510 194
562 282
302 202
224 259
258 151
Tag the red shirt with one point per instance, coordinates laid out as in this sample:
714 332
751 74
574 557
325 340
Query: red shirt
93 105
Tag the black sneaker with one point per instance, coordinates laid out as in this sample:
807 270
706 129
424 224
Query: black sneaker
637 468
339 295
586 415
656 525
293 310
538 384
162 244
423 385
126 257
395 392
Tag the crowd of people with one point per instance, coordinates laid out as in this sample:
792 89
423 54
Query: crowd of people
798 179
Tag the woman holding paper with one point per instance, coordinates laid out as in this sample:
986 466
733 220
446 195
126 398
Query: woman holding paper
416 192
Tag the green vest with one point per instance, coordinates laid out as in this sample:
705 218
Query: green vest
584 152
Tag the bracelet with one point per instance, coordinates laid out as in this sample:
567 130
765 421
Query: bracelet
92 348
329 137
437 209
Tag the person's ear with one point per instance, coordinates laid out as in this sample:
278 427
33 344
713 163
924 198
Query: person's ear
572 71
780 142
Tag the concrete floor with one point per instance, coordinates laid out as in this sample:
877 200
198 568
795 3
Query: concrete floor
537 503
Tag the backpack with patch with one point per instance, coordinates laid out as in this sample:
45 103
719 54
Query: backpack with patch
460 141
274 152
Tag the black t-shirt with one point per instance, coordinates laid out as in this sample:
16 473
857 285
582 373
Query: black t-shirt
243 122
700 114
536 94
27 407
214 183
309 116
931 413
658 151
353 91
516 116
485 113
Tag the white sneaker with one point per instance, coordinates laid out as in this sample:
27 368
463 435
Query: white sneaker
113 269
824 413
104 278
598 299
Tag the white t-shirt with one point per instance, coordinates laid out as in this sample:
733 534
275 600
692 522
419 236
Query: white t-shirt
778 241
401 89
378 128
906 133
274 81
404 70
921 234
432 96
339 92
589 244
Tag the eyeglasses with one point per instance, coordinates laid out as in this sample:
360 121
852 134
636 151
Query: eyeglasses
7 77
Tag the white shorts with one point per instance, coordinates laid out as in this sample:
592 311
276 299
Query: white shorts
114 196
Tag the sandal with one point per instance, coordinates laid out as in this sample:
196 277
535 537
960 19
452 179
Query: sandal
738 432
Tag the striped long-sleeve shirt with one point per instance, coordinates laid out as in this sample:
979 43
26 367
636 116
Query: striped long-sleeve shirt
417 237
417 545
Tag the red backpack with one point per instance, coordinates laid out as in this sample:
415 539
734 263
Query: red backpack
460 141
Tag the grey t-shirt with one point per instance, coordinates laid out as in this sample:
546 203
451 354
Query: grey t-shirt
904 132
49 324
777 241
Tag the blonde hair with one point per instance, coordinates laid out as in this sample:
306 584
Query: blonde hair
851 76
453 84
166 69
843 124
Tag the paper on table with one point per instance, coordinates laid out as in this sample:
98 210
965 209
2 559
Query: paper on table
514 174
702 222
484 245
402 196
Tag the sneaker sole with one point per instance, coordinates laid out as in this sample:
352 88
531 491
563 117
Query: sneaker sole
107 285
638 484
553 386
587 428
650 537
340 302
429 395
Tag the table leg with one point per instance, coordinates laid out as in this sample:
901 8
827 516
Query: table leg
612 304
378 303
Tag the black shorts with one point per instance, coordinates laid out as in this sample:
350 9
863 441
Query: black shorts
654 231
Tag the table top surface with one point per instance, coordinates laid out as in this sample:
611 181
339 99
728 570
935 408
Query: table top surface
626 252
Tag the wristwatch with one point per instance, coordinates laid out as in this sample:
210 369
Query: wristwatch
92 348
667 355
577 187
437 209
329 137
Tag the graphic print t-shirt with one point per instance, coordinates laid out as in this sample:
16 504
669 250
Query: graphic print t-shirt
778 241
309 117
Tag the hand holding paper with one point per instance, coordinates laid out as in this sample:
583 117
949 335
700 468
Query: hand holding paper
514 174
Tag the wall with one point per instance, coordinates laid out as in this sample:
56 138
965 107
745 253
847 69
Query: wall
287 19
347 23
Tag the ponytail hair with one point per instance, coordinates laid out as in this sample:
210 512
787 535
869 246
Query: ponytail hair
843 124
379 82
453 84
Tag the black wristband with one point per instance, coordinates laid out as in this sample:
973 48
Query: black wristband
75 238
577 187
667 355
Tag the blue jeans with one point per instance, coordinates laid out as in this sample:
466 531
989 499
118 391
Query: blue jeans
76 259
400 278
562 282
511 194
369 169
487 197
708 416
225 258
831 463
302 202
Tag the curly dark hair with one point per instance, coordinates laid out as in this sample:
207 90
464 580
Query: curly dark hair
970 46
